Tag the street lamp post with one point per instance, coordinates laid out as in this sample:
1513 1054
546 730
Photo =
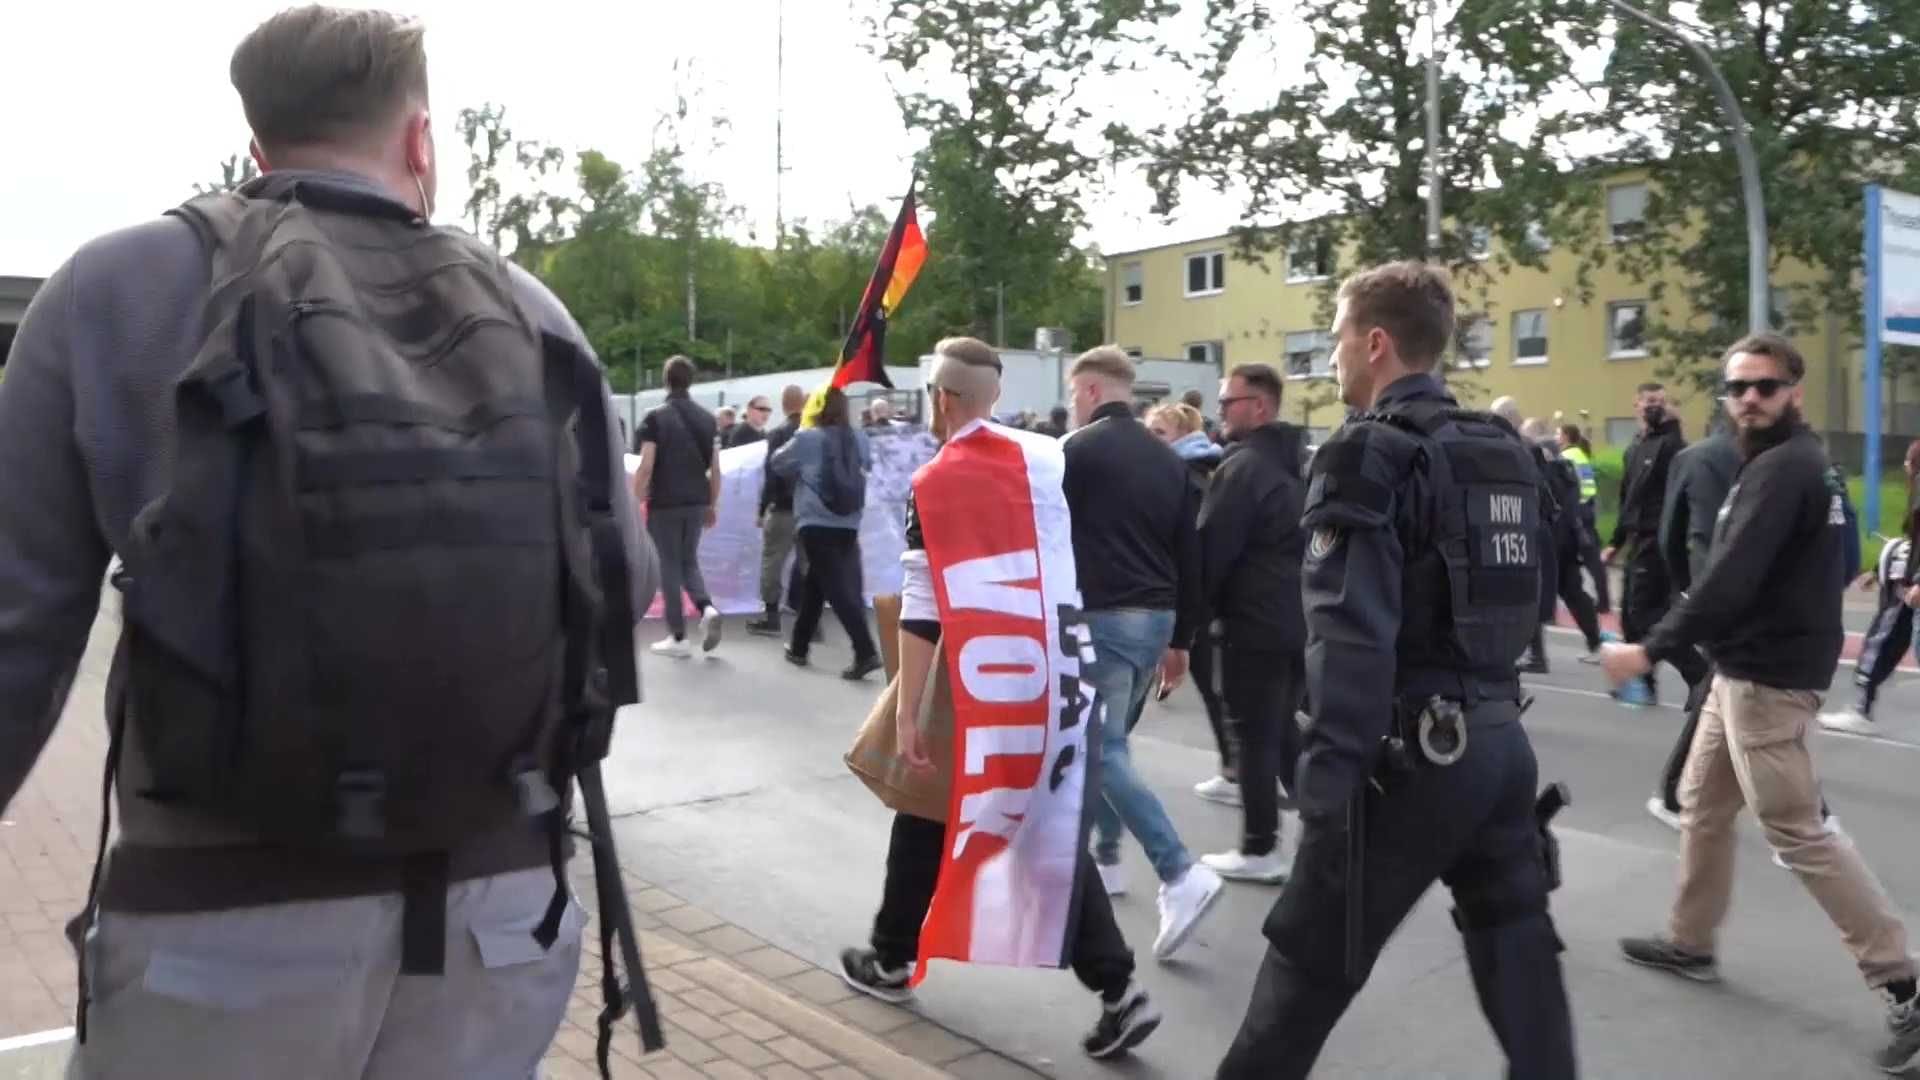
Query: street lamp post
1759 296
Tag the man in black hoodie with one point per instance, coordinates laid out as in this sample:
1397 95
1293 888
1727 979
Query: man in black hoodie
1774 648
1251 544
1648 590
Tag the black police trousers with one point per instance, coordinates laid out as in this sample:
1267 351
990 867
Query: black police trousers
1469 825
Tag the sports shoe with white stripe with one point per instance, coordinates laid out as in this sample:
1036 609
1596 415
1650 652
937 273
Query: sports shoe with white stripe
1123 1024
862 970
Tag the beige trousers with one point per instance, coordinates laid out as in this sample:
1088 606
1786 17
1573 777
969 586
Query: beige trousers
1751 750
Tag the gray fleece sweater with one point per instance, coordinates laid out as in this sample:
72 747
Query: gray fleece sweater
86 411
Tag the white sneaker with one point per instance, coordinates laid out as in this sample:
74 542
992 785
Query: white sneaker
1182 904
1219 789
710 627
1269 869
1852 720
1657 806
1112 878
678 648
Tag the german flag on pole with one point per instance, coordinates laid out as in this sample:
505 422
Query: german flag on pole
862 358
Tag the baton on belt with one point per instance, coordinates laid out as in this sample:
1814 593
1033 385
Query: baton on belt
1356 878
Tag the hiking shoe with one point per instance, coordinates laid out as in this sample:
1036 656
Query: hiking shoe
794 658
1854 721
1657 952
1592 657
1112 878
1123 1025
710 626
1268 869
677 647
1535 664
862 970
861 668
767 625
1220 790
1903 1019
1657 806
1182 905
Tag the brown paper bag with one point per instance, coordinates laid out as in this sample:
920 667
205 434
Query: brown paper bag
886 613
875 754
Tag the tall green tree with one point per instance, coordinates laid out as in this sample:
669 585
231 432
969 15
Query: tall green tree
234 174
1011 154
1831 94
1332 161
509 185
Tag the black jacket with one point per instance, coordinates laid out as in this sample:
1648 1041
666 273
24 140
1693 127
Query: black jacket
1251 540
1643 482
1133 507
744 434
1702 475
1768 606
777 493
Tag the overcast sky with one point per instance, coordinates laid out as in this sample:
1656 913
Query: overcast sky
116 109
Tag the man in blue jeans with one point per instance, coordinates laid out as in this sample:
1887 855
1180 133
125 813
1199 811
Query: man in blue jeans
1138 557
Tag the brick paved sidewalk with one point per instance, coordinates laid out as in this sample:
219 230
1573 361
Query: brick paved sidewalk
732 1005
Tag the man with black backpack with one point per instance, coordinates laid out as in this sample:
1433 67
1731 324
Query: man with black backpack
679 482
378 584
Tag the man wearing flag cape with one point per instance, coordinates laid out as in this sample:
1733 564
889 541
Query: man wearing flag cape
991 596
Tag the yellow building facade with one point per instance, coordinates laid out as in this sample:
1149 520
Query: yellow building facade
1532 334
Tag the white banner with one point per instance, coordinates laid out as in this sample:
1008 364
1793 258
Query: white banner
730 551
1899 268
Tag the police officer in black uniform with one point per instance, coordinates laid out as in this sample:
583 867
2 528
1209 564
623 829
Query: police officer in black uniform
1422 561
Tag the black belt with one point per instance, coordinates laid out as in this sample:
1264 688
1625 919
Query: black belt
1420 684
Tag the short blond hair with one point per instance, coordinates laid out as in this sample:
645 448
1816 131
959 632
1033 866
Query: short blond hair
1178 415
319 75
1107 362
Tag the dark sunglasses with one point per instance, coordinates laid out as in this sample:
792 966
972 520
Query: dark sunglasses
1226 401
1735 389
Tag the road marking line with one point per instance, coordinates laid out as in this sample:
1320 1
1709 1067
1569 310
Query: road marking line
38 1038
1884 740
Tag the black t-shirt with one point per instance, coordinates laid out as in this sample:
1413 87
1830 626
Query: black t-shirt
683 435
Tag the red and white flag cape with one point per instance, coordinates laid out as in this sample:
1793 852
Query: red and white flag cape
1000 545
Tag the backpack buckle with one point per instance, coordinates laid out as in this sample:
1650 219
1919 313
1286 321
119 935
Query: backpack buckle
239 404
361 797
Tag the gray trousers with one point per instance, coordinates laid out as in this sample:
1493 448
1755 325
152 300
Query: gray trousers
776 543
676 535
313 991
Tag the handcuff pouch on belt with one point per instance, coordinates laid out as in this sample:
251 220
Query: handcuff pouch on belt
1440 730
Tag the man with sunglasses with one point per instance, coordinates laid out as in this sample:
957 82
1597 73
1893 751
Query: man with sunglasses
1647 590
1774 650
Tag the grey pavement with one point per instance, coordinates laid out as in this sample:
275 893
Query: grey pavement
732 794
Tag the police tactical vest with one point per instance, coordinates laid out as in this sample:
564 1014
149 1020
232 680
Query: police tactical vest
1472 583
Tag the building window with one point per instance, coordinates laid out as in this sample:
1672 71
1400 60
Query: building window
1309 259
1206 273
1530 336
1479 241
1622 429
1206 352
1309 354
1133 280
1473 341
1626 211
1627 329
1135 352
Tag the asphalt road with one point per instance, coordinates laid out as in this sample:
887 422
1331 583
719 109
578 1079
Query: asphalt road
731 792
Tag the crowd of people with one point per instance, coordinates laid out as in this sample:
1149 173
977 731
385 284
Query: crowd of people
376 626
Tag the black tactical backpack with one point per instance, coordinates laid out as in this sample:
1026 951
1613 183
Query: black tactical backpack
382 605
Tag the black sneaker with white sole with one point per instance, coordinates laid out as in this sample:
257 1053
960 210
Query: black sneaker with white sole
1656 952
862 970
1123 1025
